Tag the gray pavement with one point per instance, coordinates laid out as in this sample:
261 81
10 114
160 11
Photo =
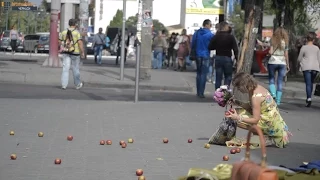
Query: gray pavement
93 114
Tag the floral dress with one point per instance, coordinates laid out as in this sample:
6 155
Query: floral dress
271 123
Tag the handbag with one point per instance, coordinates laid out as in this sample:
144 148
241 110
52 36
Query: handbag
193 52
248 170
266 59
317 90
225 132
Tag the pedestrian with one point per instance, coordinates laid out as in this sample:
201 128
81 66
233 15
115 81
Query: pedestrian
278 62
183 49
309 59
159 46
14 35
72 45
172 53
119 44
200 42
224 43
99 41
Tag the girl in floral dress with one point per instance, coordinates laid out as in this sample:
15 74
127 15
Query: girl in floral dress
261 110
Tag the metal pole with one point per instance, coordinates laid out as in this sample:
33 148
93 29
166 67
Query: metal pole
123 40
7 18
136 92
84 17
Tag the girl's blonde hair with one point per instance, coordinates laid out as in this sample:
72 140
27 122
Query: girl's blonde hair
245 83
279 35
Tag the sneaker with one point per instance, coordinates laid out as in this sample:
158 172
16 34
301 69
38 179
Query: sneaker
79 86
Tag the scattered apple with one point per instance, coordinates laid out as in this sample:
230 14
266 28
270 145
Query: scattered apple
40 134
141 178
227 113
165 140
207 146
57 161
102 142
121 142
108 142
225 158
130 140
70 138
189 140
13 156
233 151
124 145
11 133
238 150
139 172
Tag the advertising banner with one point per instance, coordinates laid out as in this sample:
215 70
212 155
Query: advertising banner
204 7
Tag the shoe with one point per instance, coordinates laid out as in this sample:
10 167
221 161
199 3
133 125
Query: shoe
201 96
278 97
63 88
79 86
308 103
272 89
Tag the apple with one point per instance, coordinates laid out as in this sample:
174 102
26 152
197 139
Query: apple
227 114
57 161
108 142
233 151
124 145
130 140
121 142
40 134
225 158
13 156
70 138
207 146
102 142
11 133
231 110
165 140
238 150
141 178
139 172
189 140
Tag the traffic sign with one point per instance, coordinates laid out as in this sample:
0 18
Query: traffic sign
24 8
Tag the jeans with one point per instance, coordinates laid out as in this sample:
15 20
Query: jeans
202 71
172 54
98 52
119 54
157 59
223 67
69 60
309 77
212 71
281 68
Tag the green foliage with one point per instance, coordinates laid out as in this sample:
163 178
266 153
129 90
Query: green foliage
117 19
158 26
46 5
237 20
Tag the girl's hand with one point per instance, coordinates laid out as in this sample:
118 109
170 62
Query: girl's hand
232 114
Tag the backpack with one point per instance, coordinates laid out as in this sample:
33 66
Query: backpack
69 44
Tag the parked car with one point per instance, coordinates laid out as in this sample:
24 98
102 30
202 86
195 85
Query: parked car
30 43
5 41
43 45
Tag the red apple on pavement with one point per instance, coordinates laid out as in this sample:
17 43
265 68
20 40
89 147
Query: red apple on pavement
124 145
225 158
189 140
121 142
108 142
238 150
233 151
139 172
141 178
165 140
13 157
102 142
57 161
70 138
231 110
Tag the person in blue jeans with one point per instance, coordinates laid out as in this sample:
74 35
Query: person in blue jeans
159 46
200 42
98 41
224 43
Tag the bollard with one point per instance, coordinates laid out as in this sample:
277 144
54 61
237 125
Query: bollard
136 91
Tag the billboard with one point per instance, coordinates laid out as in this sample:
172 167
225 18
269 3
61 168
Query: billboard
204 7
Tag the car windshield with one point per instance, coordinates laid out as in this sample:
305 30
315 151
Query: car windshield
44 38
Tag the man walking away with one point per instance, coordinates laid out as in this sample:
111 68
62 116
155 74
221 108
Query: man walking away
13 37
119 40
200 42
99 42
72 44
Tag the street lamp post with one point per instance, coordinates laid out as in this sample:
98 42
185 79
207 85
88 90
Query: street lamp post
123 40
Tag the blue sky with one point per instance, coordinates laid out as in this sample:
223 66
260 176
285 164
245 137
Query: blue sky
35 1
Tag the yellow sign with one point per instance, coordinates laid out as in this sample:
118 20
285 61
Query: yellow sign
18 4
204 11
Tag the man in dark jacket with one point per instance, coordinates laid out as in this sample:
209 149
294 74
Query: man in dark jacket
200 42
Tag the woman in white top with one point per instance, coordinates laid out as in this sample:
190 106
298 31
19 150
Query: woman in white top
278 62
309 59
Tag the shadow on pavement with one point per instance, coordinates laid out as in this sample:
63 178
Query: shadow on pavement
292 156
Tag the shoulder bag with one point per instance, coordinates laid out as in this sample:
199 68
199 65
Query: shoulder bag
248 170
265 60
